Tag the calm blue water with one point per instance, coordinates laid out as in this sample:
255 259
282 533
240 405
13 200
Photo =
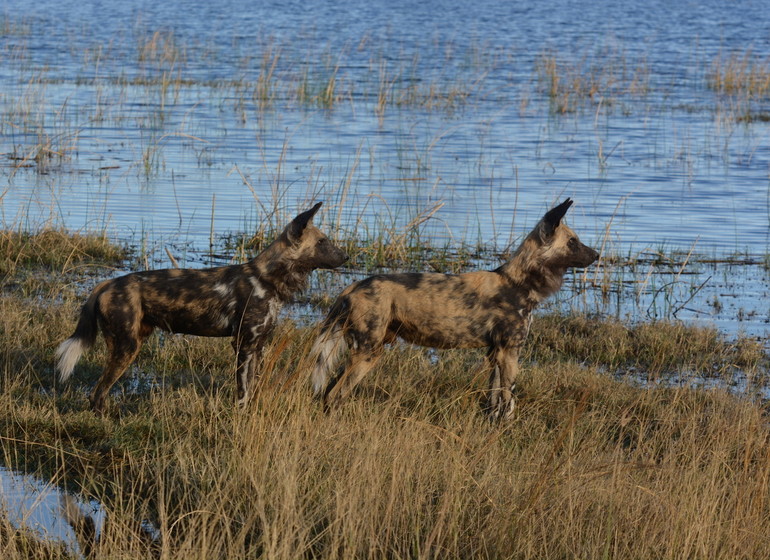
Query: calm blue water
668 168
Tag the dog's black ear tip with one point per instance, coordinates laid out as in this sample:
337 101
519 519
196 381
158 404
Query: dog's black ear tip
555 214
314 209
566 204
298 224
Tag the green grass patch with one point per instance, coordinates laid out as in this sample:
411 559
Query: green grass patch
56 249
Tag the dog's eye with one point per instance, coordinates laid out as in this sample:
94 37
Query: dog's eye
572 242
322 241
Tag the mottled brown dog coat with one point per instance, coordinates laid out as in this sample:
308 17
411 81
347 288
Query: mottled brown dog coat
489 309
240 301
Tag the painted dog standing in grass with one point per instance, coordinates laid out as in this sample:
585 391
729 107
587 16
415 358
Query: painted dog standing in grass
241 301
489 309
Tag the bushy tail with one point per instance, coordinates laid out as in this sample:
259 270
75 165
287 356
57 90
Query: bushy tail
68 353
326 352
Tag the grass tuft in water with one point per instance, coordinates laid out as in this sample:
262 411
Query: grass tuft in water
56 249
740 74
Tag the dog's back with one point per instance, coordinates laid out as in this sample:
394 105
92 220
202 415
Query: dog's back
430 309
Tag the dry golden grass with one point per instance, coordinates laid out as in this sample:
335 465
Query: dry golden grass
24 545
410 468
590 467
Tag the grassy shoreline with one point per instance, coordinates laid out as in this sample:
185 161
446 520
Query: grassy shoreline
594 464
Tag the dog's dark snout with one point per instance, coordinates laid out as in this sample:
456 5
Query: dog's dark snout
343 254
592 255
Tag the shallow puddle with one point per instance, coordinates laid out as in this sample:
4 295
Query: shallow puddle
32 503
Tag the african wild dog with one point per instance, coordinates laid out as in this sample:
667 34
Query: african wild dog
241 301
489 309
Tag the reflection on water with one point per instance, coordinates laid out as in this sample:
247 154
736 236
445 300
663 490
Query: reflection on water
32 503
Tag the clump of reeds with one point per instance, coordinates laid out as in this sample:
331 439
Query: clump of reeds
656 349
603 78
740 74
161 49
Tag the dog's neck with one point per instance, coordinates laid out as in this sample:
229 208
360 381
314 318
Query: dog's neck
280 274
528 272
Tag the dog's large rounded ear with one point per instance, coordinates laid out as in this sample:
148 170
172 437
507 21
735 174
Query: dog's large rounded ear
553 217
297 226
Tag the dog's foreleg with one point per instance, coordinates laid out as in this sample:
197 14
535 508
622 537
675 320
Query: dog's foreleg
493 393
243 378
248 358
502 382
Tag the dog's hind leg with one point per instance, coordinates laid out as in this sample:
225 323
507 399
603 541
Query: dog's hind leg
123 348
361 362
121 356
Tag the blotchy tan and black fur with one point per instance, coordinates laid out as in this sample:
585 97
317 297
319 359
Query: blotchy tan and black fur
240 301
489 309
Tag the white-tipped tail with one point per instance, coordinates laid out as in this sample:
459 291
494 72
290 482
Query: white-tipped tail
67 355
326 350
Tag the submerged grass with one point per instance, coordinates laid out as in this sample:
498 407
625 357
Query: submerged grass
274 74
591 466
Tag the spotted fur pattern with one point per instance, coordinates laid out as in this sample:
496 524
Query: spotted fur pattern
490 309
239 301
